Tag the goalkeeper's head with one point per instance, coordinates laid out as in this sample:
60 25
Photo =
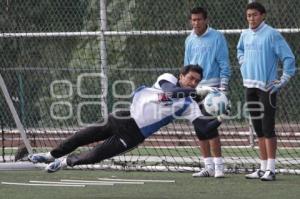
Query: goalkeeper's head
190 76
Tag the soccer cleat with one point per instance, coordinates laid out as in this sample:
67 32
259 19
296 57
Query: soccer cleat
268 176
40 157
255 175
56 165
204 173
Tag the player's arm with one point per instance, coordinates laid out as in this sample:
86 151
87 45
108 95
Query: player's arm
223 61
240 50
187 52
287 57
176 91
179 92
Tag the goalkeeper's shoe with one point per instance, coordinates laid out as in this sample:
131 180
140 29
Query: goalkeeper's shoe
255 175
56 165
205 173
268 176
41 157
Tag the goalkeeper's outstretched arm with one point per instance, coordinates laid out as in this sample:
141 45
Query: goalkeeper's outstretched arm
179 92
176 91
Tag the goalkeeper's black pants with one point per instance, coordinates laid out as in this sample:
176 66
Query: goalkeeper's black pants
118 136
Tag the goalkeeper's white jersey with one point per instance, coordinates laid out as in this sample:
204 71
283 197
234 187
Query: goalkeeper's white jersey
152 108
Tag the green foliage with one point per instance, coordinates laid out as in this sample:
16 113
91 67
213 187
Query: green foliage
36 59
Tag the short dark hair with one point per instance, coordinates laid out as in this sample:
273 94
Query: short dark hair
199 10
256 6
195 68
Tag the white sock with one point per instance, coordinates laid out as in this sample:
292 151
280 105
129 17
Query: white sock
64 162
209 164
218 163
271 165
49 155
263 165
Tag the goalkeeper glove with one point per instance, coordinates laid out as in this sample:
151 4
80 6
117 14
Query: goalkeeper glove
202 91
276 85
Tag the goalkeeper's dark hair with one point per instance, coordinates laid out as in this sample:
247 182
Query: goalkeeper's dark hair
195 68
198 10
256 6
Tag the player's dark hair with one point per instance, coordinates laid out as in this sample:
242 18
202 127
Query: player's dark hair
198 10
256 6
195 68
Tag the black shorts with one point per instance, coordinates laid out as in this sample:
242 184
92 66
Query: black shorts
262 108
125 127
214 133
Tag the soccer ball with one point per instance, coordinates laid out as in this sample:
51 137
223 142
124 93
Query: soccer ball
216 103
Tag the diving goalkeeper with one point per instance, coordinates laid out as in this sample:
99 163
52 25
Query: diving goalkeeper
151 108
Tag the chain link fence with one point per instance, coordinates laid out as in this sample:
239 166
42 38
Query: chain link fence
52 61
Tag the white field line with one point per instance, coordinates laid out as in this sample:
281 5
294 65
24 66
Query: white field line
135 180
80 183
87 181
186 130
44 185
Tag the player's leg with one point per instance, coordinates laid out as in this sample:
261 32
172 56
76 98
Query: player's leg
215 146
205 148
84 136
255 110
271 146
109 148
127 136
269 131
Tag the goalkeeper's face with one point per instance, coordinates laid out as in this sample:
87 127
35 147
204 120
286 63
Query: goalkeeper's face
189 80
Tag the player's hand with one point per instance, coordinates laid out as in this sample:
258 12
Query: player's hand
223 90
276 85
225 114
204 90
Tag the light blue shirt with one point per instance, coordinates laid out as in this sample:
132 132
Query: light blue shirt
209 51
259 52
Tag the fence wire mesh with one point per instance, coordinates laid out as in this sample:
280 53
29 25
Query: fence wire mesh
54 80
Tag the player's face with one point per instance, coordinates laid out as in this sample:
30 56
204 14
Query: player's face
199 24
254 18
190 80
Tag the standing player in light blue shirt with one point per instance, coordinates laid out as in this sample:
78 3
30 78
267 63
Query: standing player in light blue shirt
259 50
207 48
